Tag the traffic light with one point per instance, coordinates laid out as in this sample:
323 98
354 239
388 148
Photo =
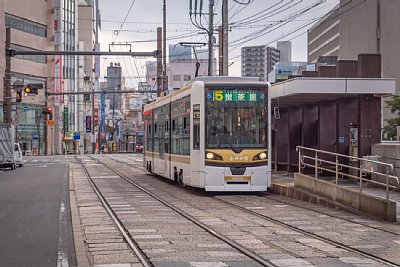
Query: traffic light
18 96
50 112
32 88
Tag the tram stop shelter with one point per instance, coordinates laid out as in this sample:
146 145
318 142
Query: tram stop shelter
329 112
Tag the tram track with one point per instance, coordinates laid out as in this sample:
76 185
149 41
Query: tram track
192 219
309 234
288 202
124 232
304 232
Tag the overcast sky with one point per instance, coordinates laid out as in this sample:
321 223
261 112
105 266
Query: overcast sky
257 23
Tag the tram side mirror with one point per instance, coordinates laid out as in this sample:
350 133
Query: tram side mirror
277 114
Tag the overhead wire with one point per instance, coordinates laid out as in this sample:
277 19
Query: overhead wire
327 15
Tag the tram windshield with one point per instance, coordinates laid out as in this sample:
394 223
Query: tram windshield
236 118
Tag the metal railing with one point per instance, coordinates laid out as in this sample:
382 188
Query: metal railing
357 168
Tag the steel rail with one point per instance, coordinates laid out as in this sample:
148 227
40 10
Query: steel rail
321 238
225 239
125 233
313 235
266 195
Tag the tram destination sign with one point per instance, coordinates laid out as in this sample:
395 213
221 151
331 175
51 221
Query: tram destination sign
235 95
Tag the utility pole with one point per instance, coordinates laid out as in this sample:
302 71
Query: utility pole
160 77
165 81
7 81
96 81
225 38
220 52
210 37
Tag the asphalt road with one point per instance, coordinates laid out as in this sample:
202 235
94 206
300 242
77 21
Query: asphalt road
35 221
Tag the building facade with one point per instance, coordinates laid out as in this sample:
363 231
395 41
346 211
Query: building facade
87 31
258 61
179 72
31 29
114 83
360 27
285 50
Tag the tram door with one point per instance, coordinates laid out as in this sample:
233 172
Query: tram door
164 142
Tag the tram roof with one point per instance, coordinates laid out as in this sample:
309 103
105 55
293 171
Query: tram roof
228 80
304 90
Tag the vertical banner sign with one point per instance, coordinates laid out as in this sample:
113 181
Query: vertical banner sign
65 120
88 124
103 112
57 79
57 22
96 117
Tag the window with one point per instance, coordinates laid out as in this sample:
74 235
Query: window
25 25
196 127
186 78
176 78
236 118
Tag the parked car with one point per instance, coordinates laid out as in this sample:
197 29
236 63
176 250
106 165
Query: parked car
139 148
18 155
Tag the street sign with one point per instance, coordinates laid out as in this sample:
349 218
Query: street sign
341 139
26 108
77 136
88 124
51 122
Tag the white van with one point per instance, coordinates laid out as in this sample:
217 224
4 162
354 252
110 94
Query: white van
18 155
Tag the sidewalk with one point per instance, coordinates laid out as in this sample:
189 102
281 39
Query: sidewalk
284 182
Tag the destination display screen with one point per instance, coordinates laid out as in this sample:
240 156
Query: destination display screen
235 95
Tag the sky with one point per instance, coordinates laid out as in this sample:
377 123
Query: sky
251 22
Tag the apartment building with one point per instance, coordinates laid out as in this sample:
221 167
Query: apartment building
258 61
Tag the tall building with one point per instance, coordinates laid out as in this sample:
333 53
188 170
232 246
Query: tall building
360 27
114 83
88 28
66 108
258 61
31 30
285 50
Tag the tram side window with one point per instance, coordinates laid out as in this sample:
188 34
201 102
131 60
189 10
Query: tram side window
186 136
196 127
179 127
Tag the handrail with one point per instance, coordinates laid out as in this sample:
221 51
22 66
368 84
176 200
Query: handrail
315 160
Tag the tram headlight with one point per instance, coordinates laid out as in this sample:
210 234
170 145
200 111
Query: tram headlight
213 156
260 156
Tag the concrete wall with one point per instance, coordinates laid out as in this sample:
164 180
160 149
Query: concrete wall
376 207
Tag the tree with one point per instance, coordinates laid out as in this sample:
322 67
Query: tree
390 130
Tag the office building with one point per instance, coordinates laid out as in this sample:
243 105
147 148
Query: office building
31 29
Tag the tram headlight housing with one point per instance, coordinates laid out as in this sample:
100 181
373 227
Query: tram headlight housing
213 156
261 156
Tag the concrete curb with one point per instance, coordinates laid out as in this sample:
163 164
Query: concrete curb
80 248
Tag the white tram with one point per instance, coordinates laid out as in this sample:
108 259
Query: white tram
214 133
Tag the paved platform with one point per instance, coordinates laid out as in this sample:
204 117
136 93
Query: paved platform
283 183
